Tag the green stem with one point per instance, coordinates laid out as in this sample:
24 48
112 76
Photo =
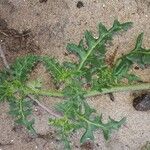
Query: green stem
136 87
46 93
142 86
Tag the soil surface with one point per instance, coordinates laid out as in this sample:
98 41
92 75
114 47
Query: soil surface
45 27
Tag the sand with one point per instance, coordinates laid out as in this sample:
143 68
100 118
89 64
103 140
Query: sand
53 25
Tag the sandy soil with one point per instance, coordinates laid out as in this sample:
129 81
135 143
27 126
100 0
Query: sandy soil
54 24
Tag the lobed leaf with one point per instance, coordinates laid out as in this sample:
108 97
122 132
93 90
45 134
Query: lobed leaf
23 66
92 56
58 72
138 55
21 109
91 125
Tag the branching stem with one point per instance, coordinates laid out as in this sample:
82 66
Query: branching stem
141 86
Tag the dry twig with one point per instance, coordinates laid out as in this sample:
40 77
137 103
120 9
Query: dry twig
2 55
51 112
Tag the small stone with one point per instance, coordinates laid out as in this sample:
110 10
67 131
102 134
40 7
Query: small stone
41 1
103 6
89 145
136 68
3 24
142 103
80 4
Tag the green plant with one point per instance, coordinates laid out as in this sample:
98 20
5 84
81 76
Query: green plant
146 146
90 76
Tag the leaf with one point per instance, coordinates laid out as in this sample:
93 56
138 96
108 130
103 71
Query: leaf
87 109
90 40
139 55
21 109
102 30
92 56
146 58
121 67
92 125
76 49
4 76
58 72
132 77
106 79
124 26
139 40
23 66
88 135
65 128
111 125
74 97
69 65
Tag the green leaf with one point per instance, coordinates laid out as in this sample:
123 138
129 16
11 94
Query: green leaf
88 135
139 55
132 77
21 109
76 49
87 109
111 125
69 65
146 58
92 125
139 41
58 72
124 26
65 128
4 76
122 67
23 66
90 40
102 30
95 50
106 79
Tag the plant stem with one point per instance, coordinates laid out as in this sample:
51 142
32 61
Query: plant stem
46 93
142 86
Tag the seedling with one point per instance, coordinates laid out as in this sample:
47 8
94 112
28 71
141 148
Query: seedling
76 81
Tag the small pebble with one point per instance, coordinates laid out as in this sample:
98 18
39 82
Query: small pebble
89 145
3 24
142 103
41 1
80 4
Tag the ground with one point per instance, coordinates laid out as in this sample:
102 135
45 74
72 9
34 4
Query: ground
53 24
